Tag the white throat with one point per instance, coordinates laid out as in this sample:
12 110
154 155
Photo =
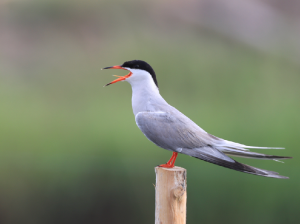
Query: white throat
145 94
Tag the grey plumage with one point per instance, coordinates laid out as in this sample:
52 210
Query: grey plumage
178 133
170 129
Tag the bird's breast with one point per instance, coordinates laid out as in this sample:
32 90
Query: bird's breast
145 101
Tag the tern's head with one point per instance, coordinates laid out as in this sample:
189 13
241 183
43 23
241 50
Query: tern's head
139 72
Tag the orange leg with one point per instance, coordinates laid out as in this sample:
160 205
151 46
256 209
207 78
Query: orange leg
171 162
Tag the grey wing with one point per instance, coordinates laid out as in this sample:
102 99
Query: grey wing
234 165
171 131
178 133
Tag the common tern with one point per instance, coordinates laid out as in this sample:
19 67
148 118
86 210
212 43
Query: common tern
168 128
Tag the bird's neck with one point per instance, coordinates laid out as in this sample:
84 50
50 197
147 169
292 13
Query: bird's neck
146 97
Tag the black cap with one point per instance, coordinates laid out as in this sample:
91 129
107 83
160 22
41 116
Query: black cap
138 64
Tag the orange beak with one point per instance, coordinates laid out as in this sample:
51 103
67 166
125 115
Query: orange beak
121 78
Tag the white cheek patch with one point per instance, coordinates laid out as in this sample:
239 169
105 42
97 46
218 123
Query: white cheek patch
139 75
141 79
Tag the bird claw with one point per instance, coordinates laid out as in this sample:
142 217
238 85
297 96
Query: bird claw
166 165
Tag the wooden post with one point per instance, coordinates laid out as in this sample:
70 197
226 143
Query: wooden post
170 195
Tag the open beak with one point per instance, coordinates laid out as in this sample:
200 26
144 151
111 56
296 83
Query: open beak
121 78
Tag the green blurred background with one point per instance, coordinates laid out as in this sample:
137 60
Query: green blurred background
70 149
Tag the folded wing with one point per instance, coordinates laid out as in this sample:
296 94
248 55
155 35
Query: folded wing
176 132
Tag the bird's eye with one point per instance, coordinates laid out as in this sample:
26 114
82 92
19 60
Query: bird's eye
136 66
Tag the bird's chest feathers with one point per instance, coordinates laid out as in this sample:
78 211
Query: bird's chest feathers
146 100
140 103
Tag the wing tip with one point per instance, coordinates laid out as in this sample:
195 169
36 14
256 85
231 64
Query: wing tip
234 165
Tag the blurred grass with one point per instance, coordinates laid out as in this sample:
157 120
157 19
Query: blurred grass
70 149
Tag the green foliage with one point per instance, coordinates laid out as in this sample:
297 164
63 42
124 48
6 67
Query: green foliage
70 149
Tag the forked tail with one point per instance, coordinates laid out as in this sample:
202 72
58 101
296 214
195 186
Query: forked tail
214 156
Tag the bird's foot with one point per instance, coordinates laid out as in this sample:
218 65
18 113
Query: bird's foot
167 165
171 162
